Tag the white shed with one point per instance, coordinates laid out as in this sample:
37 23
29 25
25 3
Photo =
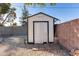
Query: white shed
40 28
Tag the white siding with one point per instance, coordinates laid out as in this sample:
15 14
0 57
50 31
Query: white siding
40 17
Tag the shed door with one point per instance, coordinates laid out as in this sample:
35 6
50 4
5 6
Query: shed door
40 32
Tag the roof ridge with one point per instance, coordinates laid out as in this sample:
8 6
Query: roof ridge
44 14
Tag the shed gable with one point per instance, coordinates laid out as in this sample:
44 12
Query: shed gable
40 14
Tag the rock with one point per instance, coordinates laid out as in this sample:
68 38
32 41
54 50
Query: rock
75 52
34 49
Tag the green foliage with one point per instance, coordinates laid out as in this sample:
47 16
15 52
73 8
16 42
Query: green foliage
10 16
25 14
4 7
39 4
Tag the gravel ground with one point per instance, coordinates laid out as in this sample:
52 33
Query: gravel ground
10 48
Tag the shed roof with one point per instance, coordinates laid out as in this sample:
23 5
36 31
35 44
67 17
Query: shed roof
44 14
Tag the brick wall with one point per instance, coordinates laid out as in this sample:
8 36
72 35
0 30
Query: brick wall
68 34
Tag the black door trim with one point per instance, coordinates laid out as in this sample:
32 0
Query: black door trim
34 29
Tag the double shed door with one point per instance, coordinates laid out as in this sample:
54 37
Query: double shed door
41 32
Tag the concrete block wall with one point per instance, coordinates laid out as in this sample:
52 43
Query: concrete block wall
19 30
68 34
13 31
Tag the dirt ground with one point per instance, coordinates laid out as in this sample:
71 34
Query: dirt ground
32 50
12 47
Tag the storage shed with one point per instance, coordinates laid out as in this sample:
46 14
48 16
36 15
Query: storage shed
40 28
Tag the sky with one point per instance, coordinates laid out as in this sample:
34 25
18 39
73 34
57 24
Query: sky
63 11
